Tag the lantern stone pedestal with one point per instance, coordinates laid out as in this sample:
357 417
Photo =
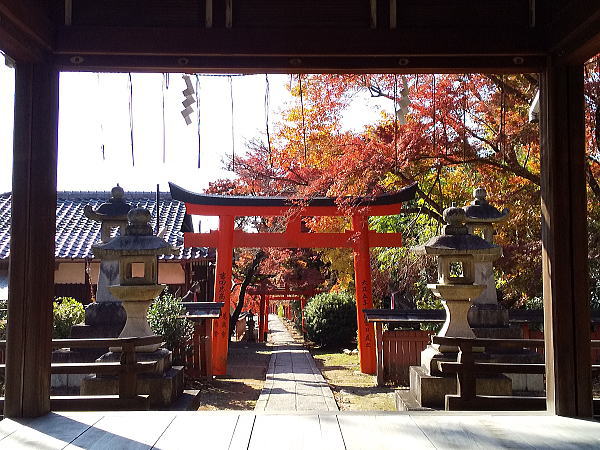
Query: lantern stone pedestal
136 300
136 253
164 385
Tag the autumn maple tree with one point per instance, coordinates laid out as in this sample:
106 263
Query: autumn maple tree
450 133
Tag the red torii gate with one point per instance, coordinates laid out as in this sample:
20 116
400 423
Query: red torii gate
360 239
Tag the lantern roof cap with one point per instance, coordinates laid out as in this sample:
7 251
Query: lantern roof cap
456 240
138 239
116 208
480 210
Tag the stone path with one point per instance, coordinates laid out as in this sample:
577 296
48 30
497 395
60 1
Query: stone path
293 381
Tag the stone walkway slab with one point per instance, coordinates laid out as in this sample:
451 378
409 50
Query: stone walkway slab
293 381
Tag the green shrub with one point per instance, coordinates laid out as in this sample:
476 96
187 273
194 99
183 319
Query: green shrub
331 319
164 319
66 312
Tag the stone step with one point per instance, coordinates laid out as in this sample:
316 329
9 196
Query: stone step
406 401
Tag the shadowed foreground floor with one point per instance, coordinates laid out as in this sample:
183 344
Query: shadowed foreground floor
327 430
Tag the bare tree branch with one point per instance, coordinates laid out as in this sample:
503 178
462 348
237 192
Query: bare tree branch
511 90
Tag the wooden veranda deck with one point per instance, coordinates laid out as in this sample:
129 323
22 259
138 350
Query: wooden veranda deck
328 430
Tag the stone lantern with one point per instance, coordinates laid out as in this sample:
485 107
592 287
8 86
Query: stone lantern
250 327
487 318
485 312
110 214
136 252
456 250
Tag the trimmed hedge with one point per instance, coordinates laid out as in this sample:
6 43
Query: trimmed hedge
164 317
331 319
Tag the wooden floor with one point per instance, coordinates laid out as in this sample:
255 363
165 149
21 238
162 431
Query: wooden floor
327 430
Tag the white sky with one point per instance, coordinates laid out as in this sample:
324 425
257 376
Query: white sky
94 111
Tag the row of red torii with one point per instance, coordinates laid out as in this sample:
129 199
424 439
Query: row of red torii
226 238
270 298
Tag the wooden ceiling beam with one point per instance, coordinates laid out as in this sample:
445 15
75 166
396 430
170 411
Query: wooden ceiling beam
26 32
18 45
286 65
574 31
160 49
310 42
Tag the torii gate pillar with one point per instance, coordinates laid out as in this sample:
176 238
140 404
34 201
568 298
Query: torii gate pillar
222 294
364 296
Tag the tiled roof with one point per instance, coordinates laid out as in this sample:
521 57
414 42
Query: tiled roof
75 233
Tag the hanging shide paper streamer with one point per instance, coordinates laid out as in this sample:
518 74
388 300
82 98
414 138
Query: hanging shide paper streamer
267 107
302 112
396 111
165 86
198 115
100 111
434 118
189 100
131 118
464 116
232 126
502 140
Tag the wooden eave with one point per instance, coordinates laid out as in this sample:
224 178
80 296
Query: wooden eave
189 49
26 31
429 36
574 31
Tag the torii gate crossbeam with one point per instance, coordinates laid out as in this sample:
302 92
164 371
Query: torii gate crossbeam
360 239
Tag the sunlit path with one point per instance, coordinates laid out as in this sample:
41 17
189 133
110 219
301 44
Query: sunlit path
293 382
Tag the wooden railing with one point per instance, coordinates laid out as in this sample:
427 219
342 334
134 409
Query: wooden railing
127 369
528 333
467 368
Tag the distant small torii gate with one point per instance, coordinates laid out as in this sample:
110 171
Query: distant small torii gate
360 239
267 294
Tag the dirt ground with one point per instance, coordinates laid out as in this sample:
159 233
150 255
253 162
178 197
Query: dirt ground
352 389
241 387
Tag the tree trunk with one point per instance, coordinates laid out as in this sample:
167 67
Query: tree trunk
248 277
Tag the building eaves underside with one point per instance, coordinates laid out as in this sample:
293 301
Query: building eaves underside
294 36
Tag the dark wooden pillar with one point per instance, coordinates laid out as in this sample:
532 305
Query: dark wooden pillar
564 240
31 269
